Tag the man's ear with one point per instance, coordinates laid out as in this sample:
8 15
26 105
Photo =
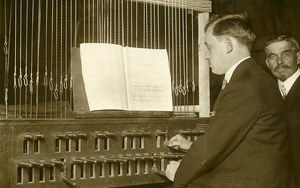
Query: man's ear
229 45
298 57
268 65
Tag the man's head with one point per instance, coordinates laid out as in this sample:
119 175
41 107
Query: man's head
228 39
282 56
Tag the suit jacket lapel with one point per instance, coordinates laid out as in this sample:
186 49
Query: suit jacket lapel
238 72
292 96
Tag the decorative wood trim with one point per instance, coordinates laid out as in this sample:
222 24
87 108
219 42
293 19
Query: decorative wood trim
204 91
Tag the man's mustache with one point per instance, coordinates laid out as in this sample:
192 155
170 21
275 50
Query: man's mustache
282 66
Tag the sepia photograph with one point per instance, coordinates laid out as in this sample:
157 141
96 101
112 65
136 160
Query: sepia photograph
149 94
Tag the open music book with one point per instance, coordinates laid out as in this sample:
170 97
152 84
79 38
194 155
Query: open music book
126 78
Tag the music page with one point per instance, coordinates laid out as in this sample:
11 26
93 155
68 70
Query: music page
148 79
103 75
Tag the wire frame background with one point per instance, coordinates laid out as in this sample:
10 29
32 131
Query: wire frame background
39 35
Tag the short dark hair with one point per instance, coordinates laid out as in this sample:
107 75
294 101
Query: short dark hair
293 42
237 26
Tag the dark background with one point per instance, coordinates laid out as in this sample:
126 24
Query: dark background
269 18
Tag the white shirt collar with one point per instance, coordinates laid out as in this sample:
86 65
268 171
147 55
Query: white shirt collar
288 83
230 71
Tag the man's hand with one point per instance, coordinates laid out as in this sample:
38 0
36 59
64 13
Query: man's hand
179 142
171 169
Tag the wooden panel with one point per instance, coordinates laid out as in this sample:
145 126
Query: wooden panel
80 143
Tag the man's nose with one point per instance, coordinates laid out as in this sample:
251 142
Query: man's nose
206 56
279 60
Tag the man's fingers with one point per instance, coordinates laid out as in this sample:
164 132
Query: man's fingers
172 162
174 143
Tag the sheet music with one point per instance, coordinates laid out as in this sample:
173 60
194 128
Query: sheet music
127 78
148 79
103 74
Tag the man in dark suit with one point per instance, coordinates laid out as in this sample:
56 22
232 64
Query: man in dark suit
283 58
245 144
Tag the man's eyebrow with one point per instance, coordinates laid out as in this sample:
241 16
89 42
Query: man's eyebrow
272 53
289 50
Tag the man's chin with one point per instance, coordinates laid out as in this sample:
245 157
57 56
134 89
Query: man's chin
217 73
283 73
281 77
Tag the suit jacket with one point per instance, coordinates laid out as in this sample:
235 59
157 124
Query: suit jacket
245 144
292 104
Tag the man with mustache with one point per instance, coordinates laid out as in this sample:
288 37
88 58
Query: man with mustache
282 58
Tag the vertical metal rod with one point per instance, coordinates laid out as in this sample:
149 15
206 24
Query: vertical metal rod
46 57
55 93
183 95
71 23
122 22
158 27
51 60
115 22
98 21
131 23
102 23
110 20
151 25
38 59
15 60
171 51
8 56
166 28
93 21
61 85
127 22
182 11
89 20
72 44
186 56
26 59
20 84
119 23
146 23
6 63
179 57
177 65
136 24
6 48
193 60
75 21
154 26
31 59
66 56
84 31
